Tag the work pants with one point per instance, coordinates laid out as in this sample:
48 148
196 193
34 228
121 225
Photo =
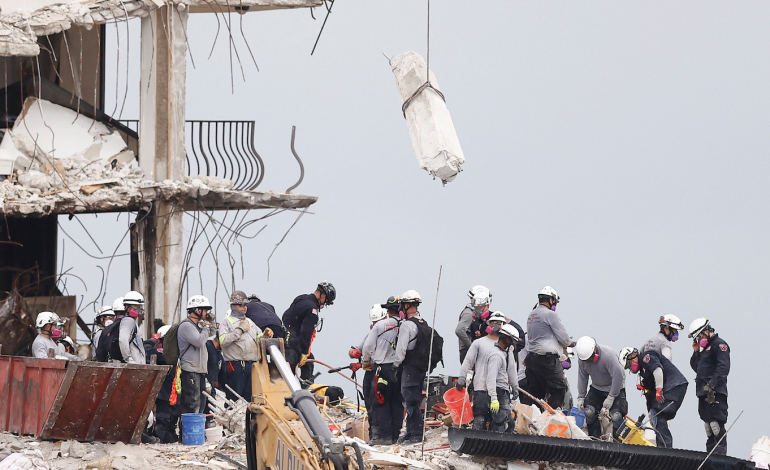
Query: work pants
672 400
483 417
293 357
369 400
463 353
238 377
390 413
593 405
714 417
191 400
523 397
166 420
411 392
545 378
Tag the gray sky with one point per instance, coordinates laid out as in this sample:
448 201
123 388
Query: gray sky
615 150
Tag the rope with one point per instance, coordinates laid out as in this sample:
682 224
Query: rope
427 83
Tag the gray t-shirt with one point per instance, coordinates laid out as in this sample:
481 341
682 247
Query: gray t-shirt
501 371
193 355
476 361
41 345
407 334
131 349
378 345
606 374
463 327
660 344
545 332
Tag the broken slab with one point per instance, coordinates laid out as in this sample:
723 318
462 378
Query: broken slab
430 126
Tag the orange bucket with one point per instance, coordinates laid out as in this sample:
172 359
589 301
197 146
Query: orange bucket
459 405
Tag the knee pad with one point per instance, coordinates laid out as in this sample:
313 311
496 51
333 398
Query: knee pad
616 416
715 428
707 425
590 412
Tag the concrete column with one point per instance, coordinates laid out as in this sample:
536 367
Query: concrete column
161 157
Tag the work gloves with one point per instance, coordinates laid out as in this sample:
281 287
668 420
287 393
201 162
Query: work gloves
460 384
268 332
244 325
514 394
494 407
381 387
355 366
580 403
302 360
710 394
354 353
608 403
659 395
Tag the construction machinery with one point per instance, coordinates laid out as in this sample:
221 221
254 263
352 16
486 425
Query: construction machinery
284 429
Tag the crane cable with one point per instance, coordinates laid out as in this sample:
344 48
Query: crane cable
427 83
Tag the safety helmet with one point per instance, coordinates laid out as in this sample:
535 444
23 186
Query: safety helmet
118 306
198 301
104 311
496 316
377 313
133 298
328 289
254 298
410 297
549 291
510 331
585 348
46 318
236 298
698 326
391 303
671 321
163 330
69 341
624 355
480 295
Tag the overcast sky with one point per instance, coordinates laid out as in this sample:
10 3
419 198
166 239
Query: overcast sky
617 151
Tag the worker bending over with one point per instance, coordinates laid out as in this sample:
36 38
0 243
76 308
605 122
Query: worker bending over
300 321
477 310
663 386
669 333
501 383
49 324
711 362
238 336
608 385
546 340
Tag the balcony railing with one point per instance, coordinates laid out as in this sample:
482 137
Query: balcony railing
220 148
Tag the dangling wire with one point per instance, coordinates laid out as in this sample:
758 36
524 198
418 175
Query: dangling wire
427 83
427 60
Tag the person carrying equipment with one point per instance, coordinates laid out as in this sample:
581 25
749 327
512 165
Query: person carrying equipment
501 382
130 341
301 320
711 362
663 386
104 318
669 333
238 336
478 308
608 385
546 340
377 355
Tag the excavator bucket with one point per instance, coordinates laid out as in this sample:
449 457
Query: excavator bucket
585 452
85 401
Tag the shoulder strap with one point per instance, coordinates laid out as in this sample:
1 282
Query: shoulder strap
181 353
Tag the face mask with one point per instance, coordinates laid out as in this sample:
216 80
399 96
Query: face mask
553 307
402 315
133 313
238 314
56 333
108 323
596 358
489 329
566 365
703 342
635 367
675 337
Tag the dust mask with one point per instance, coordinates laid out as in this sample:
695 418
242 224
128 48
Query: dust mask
108 323
675 337
553 307
703 342
635 367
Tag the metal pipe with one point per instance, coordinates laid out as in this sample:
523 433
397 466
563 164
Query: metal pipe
283 367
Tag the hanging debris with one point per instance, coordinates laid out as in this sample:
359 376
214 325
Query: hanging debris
430 126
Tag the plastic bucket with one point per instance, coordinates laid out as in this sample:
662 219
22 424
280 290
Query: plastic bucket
193 429
580 416
214 434
459 405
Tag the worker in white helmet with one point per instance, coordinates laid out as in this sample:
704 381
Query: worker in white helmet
130 341
477 310
669 325
104 318
501 382
607 395
192 335
49 325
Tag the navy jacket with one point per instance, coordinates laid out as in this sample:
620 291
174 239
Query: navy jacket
649 361
300 320
263 315
711 366
216 370
168 382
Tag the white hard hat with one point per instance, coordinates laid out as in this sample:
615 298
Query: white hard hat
510 331
198 301
410 297
377 313
69 341
585 348
671 321
106 310
133 298
624 353
496 316
549 291
698 325
163 330
117 306
480 295
46 318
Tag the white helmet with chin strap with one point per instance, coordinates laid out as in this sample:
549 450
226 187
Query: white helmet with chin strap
497 316
624 354
549 291
46 318
105 311
118 306
509 331
377 313
410 297
479 296
163 330
133 298
198 301
586 349
671 321
698 326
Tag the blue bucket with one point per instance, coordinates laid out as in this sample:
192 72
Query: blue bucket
193 429
580 416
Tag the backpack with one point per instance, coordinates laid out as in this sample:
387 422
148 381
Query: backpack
171 344
418 357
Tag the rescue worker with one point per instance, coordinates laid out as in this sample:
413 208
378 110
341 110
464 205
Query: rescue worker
669 333
546 340
104 318
67 345
477 308
410 377
166 414
607 394
663 386
711 362
238 336
117 307
376 313
215 370
263 315
482 328
501 382
378 354
300 320
192 335
49 323
129 337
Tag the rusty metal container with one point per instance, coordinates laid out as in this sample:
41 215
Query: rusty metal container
85 401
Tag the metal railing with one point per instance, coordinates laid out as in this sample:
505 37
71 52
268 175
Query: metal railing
220 148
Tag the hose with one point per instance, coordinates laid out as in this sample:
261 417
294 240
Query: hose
330 367
360 457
